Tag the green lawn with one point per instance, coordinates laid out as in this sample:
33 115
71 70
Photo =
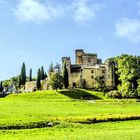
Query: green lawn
67 109
128 130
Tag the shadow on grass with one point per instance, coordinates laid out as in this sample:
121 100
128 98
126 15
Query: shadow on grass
3 95
79 94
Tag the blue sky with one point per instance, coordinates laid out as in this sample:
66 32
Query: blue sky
39 32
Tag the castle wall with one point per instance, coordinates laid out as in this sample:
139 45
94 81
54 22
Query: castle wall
74 78
88 67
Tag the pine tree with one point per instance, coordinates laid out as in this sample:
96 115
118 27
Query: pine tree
42 75
65 76
30 77
38 82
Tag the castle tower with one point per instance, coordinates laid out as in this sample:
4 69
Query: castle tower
66 60
78 56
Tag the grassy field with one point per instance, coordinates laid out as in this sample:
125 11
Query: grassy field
127 130
71 111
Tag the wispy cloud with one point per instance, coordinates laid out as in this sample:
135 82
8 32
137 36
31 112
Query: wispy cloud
80 11
34 10
128 28
83 11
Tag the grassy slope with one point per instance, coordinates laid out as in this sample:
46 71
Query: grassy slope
31 108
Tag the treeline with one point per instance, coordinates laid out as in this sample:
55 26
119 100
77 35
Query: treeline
127 75
58 78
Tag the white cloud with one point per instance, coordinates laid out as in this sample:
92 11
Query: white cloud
128 28
33 10
83 11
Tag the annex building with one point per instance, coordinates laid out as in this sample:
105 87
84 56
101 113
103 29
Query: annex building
88 66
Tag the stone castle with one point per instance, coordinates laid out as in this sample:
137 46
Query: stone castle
87 67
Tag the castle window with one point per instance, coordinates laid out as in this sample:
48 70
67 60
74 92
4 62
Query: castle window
92 77
92 71
103 71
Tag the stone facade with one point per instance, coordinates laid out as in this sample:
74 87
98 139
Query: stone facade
31 85
87 67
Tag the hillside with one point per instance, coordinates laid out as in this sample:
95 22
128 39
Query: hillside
63 110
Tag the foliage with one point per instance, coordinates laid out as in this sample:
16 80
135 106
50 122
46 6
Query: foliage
57 68
100 83
65 76
56 81
45 75
38 82
42 74
30 75
127 69
51 69
22 76
1 87
113 94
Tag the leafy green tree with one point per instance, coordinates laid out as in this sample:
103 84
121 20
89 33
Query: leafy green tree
22 76
38 82
56 81
30 76
65 76
14 81
100 83
127 69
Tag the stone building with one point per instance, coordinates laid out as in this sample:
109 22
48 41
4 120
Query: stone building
87 67
31 85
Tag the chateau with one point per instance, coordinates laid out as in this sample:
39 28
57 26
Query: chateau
87 67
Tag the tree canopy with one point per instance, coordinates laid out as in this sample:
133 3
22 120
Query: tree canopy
127 69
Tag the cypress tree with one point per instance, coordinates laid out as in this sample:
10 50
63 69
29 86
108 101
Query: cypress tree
1 87
45 75
38 83
65 76
42 75
22 76
30 77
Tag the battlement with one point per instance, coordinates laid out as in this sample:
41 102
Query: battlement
65 58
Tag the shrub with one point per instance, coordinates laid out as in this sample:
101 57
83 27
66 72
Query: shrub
113 94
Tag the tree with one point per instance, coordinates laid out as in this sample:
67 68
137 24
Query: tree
42 75
127 75
51 69
100 83
65 76
45 75
22 76
30 76
38 82
57 68
56 81
1 87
